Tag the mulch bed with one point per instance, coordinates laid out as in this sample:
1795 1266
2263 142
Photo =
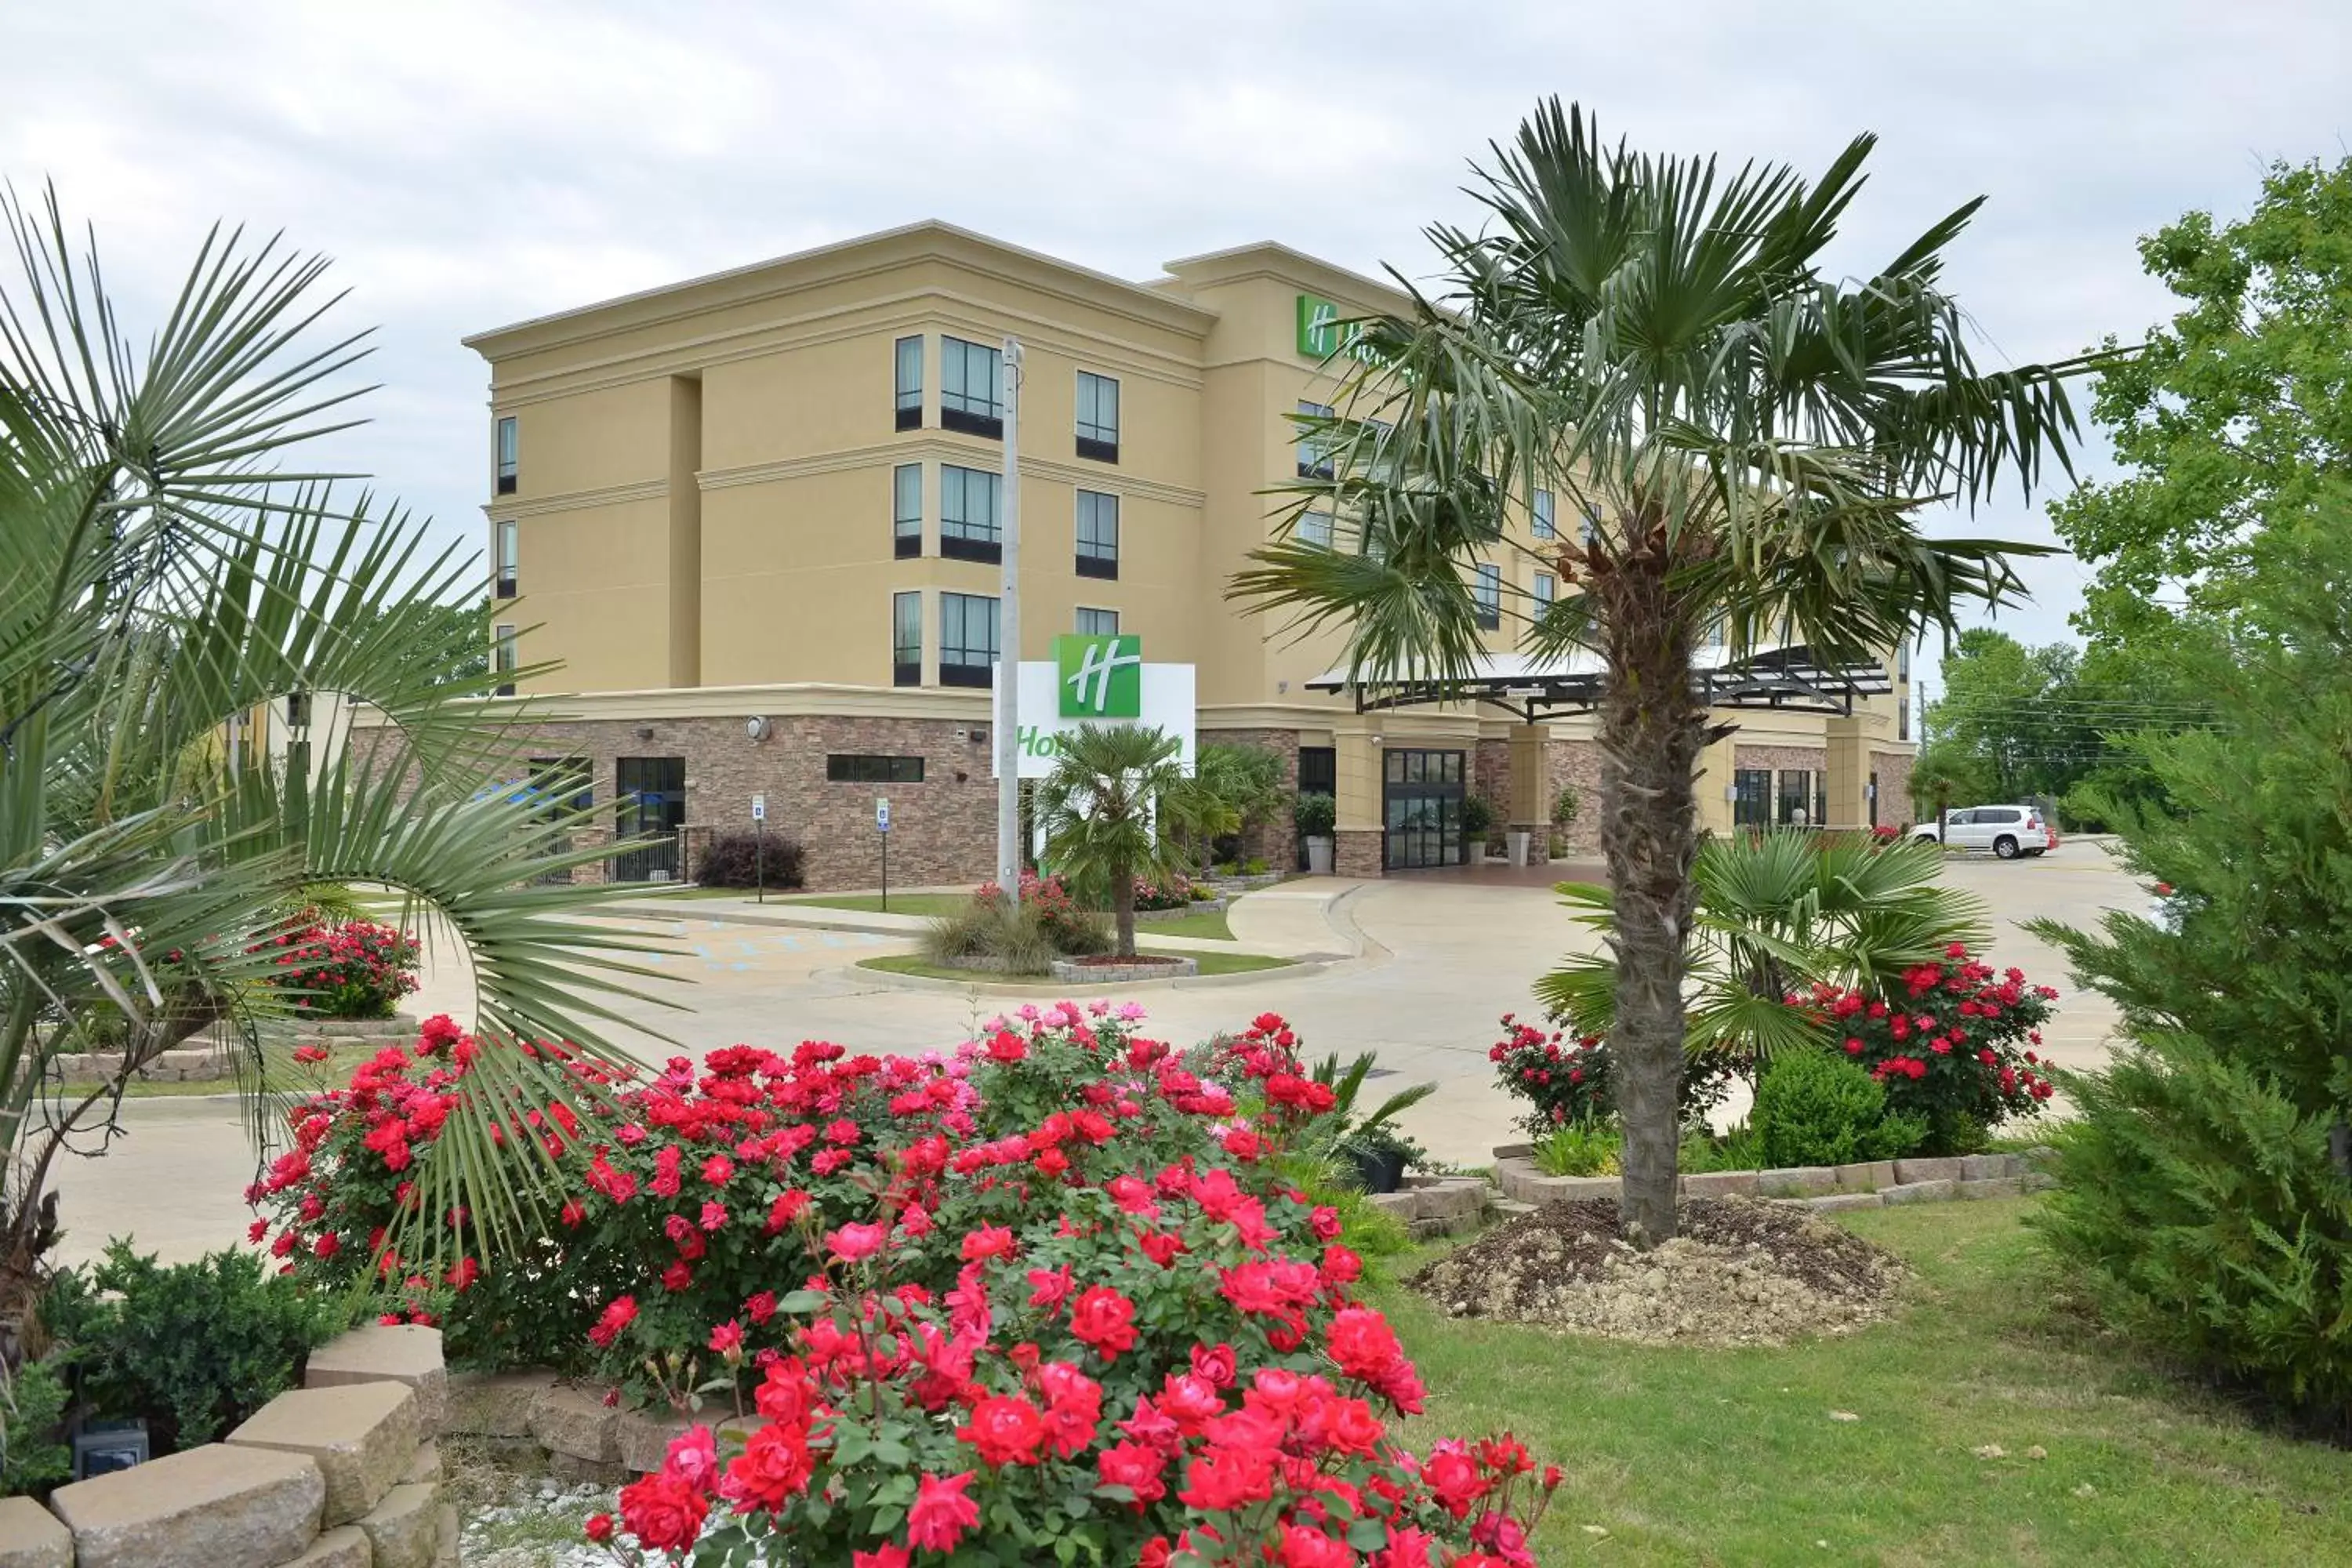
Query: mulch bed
1742 1272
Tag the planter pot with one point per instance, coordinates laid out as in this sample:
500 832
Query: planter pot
1318 856
1375 1170
1519 846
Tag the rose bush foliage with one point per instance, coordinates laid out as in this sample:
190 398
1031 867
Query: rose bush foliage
348 969
1042 1297
1953 1042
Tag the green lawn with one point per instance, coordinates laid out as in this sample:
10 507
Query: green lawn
926 904
1733 1457
1210 963
1208 923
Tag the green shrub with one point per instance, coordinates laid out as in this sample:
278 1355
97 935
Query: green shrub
1737 1150
1814 1109
1581 1148
1315 815
33 1453
737 860
195 1348
2205 1186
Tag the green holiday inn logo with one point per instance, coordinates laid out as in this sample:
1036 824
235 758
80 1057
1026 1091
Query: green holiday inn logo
1323 332
1099 676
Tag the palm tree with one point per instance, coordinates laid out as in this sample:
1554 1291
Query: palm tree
1657 343
172 567
1778 912
1117 806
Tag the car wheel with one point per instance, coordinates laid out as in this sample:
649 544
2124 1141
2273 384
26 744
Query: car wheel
2005 847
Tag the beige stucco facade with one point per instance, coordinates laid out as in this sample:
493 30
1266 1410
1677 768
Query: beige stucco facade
703 488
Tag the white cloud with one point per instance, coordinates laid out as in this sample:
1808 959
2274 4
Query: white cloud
471 163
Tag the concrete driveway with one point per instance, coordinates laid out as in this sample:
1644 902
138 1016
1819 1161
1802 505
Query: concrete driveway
1432 963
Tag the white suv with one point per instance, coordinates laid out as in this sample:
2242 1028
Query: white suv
2009 831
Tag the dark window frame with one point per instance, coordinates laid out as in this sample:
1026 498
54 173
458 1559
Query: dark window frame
1077 620
506 656
961 670
1751 797
1486 593
1096 439
1094 559
1314 461
962 409
905 544
506 545
872 767
905 671
506 451
909 414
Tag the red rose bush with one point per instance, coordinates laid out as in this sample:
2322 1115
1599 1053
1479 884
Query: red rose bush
1045 1297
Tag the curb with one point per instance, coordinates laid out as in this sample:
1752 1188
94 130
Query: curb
1827 1187
891 981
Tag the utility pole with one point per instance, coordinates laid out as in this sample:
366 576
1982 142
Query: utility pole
1008 645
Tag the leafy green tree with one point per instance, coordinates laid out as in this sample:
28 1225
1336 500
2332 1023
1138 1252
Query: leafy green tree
173 564
1659 345
2205 1189
1117 806
1240 787
1946 774
1778 912
2236 412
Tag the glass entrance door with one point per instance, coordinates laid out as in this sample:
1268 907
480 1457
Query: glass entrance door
1422 809
650 793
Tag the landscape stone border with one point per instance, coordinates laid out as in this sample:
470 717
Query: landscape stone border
1073 970
342 1473
1431 1207
204 1064
1826 1187
1199 907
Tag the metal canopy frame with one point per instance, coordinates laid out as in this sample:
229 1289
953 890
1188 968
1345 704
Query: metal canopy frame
1787 679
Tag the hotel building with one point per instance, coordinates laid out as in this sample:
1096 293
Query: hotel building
756 517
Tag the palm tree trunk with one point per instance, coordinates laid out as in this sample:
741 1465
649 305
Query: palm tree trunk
1122 909
1651 732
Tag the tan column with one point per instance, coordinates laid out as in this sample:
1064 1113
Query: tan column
1530 811
1713 786
1849 770
1358 833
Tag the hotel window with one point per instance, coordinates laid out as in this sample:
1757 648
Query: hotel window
970 388
906 639
508 454
1097 623
907 510
1590 528
1098 417
1540 511
1903 659
1314 452
859 767
970 526
1751 797
1545 590
1902 718
910 384
1314 528
967 638
502 657
1489 593
1097 535
506 531
1796 797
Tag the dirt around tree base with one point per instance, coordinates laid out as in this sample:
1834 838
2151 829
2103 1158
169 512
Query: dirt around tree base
1742 1272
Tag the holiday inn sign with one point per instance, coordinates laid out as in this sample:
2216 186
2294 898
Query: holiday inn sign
1097 680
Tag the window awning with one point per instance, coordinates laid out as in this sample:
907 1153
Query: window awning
1789 678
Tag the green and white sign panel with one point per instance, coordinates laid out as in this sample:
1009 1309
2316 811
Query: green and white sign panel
1324 329
1097 680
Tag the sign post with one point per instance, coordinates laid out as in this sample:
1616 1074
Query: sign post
1008 656
760 847
882 826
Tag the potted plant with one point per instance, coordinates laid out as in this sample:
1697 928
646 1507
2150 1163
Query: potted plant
1315 815
1376 1157
1563 818
1478 821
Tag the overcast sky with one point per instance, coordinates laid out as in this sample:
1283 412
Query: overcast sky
470 165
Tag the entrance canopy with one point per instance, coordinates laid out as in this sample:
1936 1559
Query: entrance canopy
1534 689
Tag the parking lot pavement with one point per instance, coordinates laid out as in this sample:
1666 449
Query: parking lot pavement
1440 961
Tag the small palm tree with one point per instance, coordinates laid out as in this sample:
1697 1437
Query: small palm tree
1749 436
1778 911
171 568
1117 806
